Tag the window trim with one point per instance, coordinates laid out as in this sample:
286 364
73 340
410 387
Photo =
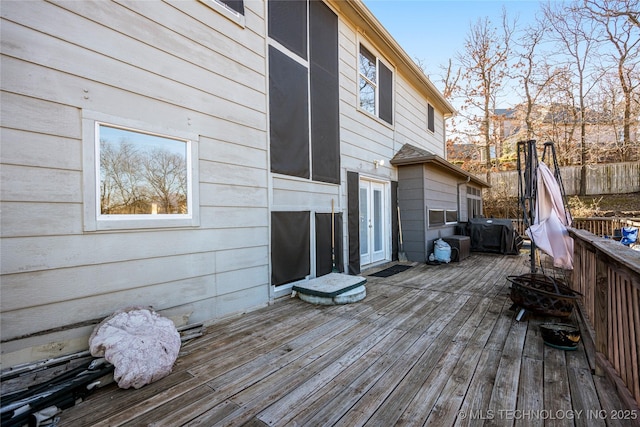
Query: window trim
376 84
224 10
93 219
444 221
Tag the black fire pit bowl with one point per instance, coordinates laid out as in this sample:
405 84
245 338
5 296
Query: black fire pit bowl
560 335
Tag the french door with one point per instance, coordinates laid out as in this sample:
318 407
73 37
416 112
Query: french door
373 235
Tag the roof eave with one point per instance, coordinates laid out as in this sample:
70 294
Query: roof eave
444 164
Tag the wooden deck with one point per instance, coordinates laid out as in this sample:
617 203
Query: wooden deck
434 345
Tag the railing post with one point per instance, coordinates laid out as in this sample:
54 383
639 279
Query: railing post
601 308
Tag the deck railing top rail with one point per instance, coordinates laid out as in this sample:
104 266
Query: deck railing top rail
612 248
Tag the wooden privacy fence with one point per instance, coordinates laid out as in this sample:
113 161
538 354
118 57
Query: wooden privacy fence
607 274
610 178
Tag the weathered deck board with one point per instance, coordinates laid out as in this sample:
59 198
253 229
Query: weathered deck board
434 345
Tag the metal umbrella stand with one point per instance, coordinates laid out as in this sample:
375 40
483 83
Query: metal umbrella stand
537 292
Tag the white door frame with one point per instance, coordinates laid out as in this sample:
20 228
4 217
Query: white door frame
374 221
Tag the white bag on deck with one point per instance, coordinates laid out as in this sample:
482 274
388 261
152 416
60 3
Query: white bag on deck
442 251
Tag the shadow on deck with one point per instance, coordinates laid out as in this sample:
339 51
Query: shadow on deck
434 345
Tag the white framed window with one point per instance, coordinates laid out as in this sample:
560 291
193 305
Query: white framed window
439 217
436 217
451 216
375 85
136 176
230 9
474 202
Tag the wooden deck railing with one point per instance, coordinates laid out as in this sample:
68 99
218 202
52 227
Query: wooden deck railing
600 226
607 274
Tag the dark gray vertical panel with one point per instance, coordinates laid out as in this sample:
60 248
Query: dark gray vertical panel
288 24
395 240
411 199
325 126
290 246
353 221
385 95
431 122
324 262
288 115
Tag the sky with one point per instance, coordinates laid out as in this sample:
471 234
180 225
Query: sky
434 30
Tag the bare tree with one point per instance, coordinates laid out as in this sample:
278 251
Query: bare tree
555 116
120 174
132 179
625 9
576 37
485 62
536 76
165 172
451 79
619 19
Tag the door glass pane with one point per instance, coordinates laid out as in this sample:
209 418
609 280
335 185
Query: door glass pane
364 222
377 218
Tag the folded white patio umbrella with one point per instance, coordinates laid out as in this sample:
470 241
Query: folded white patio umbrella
549 228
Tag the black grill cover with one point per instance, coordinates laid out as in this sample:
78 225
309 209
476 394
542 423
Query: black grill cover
493 235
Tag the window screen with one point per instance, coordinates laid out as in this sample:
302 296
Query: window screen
288 25
300 91
386 94
324 255
325 134
288 118
436 217
290 240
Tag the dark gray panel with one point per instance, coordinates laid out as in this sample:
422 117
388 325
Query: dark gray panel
288 115
324 262
288 24
385 87
353 221
290 243
325 102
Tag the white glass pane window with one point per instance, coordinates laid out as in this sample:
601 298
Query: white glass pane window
137 175
142 174
368 80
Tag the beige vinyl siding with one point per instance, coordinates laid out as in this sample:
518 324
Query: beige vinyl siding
299 194
365 138
176 66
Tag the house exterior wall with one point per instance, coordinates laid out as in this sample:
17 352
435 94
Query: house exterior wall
421 187
179 68
440 193
411 200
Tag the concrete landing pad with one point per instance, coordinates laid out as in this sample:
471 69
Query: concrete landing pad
331 289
